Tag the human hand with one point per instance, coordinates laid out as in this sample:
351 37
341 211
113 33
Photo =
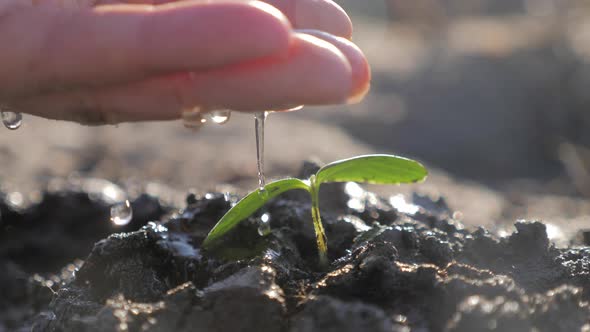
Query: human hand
136 60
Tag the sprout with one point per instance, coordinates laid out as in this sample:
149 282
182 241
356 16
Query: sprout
374 169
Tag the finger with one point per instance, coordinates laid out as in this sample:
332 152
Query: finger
65 48
324 15
315 72
361 72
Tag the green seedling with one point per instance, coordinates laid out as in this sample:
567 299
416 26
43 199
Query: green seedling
374 169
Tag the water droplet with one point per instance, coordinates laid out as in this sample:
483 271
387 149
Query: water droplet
264 225
193 119
15 200
292 109
11 120
121 213
259 119
219 117
296 108
263 193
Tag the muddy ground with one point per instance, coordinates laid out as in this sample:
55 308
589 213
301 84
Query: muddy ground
400 263
491 96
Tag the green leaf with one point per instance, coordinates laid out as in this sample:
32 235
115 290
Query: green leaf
376 169
250 204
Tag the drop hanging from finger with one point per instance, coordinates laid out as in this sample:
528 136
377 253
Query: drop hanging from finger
11 120
219 117
295 108
193 118
196 117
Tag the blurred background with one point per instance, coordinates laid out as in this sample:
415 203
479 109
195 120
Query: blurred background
490 94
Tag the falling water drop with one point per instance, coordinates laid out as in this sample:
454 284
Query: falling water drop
121 213
193 118
11 120
259 119
219 117
264 225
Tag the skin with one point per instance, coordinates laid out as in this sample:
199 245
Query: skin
106 61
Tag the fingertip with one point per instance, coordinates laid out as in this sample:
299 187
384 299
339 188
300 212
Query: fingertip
281 36
323 15
361 72
360 69
326 16
313 72
343 23
335 81
359 95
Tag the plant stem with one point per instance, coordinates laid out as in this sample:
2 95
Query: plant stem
322 240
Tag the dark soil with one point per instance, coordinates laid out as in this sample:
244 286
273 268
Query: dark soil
65 268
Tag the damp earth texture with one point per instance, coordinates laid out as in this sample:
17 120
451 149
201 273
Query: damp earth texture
402 264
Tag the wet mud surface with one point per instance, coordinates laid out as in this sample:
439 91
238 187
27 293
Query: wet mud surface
397 264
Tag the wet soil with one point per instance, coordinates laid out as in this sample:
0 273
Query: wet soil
397 264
